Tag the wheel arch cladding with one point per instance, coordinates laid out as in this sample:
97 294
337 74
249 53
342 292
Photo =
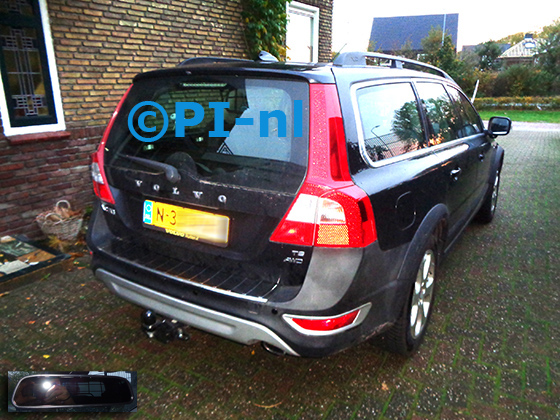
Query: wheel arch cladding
497 164
434 221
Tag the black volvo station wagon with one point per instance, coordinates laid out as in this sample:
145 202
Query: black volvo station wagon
303 206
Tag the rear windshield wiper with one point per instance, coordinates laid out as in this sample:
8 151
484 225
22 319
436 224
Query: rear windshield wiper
171 172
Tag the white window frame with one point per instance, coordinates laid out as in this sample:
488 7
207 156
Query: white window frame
60 125
314 11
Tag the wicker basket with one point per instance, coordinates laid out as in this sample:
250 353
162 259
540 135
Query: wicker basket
54 222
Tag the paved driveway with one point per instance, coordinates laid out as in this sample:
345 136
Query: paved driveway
492 351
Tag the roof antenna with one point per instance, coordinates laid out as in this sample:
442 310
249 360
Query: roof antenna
339 51
267 57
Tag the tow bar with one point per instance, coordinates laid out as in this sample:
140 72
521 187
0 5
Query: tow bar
164 330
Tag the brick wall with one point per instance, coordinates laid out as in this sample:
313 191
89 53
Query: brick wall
325 27
35 174
99 46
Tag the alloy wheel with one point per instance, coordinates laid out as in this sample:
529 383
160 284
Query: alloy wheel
495 189
422 294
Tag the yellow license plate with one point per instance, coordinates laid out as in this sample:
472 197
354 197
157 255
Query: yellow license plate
186 223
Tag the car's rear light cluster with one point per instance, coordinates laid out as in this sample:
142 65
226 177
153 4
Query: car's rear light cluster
100 184
329 210
324 216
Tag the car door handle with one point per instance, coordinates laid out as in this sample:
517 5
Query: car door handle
481 157
455 174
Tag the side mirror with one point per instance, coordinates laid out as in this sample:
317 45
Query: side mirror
70 391
499 126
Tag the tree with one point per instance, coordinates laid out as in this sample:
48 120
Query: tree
488 54
406 50
522 80
469 58
512 39
432 44
439 51
372 45
549 50
406 125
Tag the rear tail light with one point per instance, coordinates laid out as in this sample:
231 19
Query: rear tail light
100 184
328 217
327 325
329 210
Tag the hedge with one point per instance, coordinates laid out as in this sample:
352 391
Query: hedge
548 103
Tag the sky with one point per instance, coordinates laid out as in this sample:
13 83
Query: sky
479 20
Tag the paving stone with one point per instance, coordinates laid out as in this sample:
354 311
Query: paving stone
459 390
400 405
511 383
483 389
429 402
340 411
537 378
371 408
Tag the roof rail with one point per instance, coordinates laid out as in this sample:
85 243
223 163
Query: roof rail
359 59
210 60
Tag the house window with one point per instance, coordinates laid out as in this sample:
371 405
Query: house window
302 37
30 96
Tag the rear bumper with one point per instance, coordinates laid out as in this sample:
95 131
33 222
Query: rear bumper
337 281
227 326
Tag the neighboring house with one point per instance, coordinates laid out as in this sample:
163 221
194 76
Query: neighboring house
523 52
66 63
391 34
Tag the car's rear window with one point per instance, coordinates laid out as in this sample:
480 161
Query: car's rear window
250 132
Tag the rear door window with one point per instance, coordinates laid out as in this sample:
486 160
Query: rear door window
390 120
470 121
240 131
441 116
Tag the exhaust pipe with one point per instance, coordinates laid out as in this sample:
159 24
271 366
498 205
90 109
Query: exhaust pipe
164 330
273 349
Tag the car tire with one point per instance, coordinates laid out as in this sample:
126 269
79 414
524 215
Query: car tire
407 333
488 209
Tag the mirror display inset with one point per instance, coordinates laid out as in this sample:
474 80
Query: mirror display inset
71 390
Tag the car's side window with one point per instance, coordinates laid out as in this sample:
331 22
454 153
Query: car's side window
442 117
390 120
470 122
